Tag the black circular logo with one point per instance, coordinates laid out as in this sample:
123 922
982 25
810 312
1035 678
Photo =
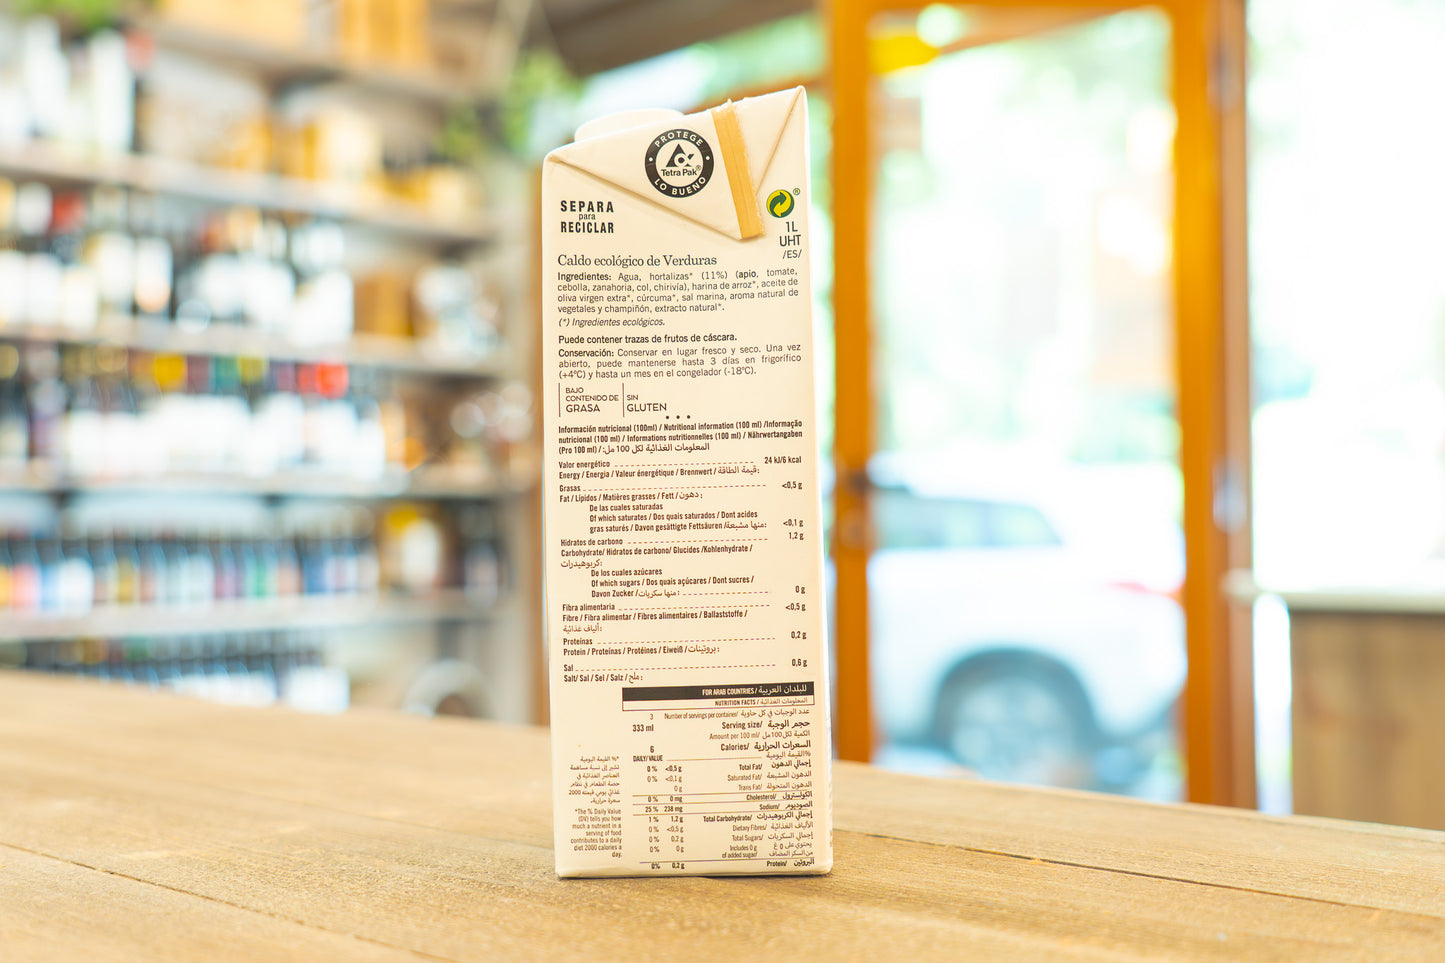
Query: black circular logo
679 163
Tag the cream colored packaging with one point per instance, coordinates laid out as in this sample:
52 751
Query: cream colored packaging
684 570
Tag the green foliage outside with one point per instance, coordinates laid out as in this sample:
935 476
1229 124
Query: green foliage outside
84 14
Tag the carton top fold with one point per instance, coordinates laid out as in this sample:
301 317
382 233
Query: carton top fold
689 166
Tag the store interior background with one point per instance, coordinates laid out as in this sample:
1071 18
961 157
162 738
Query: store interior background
268 318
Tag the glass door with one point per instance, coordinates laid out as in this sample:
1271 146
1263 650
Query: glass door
1041 377
1026 545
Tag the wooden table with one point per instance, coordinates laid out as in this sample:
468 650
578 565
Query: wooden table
143 826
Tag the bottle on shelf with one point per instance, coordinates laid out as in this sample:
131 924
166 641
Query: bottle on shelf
78 302
230 415
216 278
105 574
189 666
12 257
150 448
278 423
47 559
369 448
175 580
368 563
324 308
167 662
289 573
170 414
14 411
120 419
200 572
83 426
43 272
75 575
268 278
45 73
151 564
316 567
229 577
343 577
336 422
7 575
25 577
127 568
141 663
108 86
110 250
48 402
154 267
261 564
481 558
201 447
312 685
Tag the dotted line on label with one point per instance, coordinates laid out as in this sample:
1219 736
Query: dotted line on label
684 464
653 608
664 668
695 595
699 541
760 638
649 488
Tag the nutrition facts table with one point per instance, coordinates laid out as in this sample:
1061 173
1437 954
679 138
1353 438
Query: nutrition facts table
761 749
690 627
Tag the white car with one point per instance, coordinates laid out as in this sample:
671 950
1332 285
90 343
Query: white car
1033 641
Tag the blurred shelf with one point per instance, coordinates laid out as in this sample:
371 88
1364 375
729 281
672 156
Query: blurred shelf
451 482
1421 592
179 178
439 482
284 66
245 615
227 340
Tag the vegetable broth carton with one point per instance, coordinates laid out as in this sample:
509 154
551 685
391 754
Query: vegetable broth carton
684 574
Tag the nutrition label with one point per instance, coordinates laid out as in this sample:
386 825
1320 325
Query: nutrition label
759 746
684 592
687 522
